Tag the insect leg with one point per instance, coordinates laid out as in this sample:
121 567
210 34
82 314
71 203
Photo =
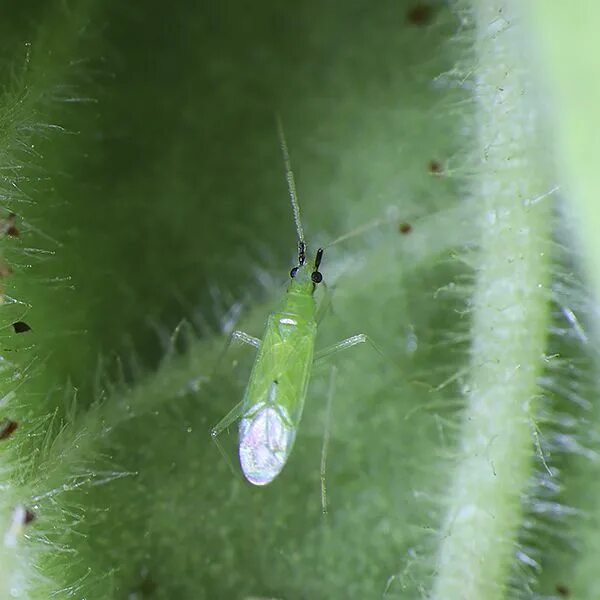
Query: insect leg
326 436
359 231
240 336
361 338
236 412
233 415
243 337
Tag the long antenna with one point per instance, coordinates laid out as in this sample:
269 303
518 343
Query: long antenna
358 231
291 183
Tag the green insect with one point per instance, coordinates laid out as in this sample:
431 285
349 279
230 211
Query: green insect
272 406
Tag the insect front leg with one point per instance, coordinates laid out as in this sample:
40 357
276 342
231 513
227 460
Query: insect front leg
354 340
236 336
243 337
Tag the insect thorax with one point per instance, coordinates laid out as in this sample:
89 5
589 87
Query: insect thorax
298 302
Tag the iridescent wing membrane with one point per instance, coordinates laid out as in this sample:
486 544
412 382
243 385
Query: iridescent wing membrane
274 399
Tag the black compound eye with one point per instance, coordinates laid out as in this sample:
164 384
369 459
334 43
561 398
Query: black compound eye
316 277
293 272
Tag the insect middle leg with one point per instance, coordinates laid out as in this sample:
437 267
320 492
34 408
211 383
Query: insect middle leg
326 436
236 412
231 417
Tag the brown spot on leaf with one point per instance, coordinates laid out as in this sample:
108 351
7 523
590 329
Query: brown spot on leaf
420 14
435 166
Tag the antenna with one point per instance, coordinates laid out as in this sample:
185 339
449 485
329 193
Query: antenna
358 231
291 183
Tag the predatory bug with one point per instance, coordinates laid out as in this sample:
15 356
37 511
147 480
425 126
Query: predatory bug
272 406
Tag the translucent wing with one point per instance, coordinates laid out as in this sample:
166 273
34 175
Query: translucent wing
266 441
275 399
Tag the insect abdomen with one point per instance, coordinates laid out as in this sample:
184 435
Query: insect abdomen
275 397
